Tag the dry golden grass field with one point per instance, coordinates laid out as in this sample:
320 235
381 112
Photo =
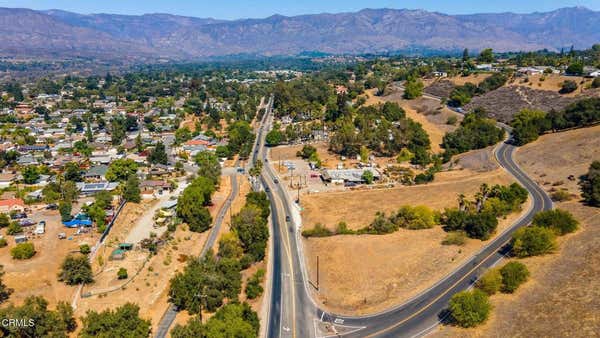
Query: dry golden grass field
562 298
369 273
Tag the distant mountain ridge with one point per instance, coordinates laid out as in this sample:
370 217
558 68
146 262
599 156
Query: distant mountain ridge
57 33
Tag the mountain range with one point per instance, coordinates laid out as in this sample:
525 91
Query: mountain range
57 33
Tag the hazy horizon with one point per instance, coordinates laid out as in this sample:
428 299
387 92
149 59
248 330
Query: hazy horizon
238 9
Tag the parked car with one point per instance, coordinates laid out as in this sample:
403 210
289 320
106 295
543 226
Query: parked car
26 222
276 181
52 206
62 235
18 215
350 184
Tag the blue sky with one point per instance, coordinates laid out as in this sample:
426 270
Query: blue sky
233 9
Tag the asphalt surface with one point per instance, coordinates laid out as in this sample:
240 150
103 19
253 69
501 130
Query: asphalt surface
293 312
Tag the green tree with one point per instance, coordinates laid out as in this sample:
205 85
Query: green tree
121 169
533 241
232 320
72 172
367 176
465 55
590 185
486 56
513 275
64 208
76 269
182 135
470 308
208 166
131 191
58 323
413 88
252 231
191 205
560 221
253 286
274 138
528 125
158 155
23 251
103 199
123 321
30 174
4 220
575 68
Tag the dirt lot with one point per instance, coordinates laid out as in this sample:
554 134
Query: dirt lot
562 297
332 207
153 272
368 273
38 275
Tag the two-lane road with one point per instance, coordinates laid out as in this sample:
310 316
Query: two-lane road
294 313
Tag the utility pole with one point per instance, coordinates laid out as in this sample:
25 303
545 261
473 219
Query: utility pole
317 273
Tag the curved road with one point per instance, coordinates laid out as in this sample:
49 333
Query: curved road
293 313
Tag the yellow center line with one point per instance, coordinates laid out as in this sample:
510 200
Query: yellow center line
516 172
289 258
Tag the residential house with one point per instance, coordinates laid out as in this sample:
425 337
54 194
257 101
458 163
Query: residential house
6 180
96 173
13 204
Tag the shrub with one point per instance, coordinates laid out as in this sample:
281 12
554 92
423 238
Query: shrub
318 231
561 221
253 288
533 241
14 228
452 120
418 217
470 308
455 238
590 185
381 225
23 251
596 82
568 87
3 242
122 273
85 249
513 275
560 196
490 282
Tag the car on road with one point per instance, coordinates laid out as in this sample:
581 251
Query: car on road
267 189
287 218
52 206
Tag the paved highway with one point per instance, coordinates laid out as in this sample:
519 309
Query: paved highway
293 313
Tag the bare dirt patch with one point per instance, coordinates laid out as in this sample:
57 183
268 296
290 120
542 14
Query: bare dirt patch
38 275
563 296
